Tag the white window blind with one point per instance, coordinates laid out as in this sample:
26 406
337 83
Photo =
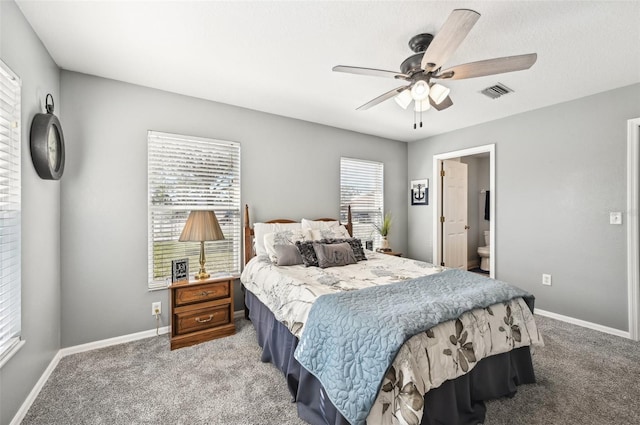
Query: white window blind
362 187
10 210
192 173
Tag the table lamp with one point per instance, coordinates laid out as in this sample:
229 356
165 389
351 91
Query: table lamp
201 226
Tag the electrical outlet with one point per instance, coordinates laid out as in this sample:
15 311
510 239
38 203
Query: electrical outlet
156 308
615 218
546 279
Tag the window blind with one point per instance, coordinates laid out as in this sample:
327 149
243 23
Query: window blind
362 187
10 210
192 173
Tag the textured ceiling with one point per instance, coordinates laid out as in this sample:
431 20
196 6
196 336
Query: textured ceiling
277 57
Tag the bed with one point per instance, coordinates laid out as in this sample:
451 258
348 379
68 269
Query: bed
431 374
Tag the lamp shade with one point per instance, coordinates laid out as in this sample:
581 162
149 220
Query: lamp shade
421 105
439 93
420 90
201 226
403 99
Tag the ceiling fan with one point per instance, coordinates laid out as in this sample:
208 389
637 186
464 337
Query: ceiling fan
431 52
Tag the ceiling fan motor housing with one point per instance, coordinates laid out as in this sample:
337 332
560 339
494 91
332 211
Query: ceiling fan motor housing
412 64
419 44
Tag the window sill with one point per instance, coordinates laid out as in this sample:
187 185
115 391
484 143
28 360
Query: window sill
4 359
157 286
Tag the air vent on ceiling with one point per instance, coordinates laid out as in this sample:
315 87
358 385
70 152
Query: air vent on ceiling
496 91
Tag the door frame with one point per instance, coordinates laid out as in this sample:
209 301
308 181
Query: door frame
436 257
633 248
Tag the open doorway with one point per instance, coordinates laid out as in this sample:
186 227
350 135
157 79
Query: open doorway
478 203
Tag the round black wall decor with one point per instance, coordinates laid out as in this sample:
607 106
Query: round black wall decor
47 143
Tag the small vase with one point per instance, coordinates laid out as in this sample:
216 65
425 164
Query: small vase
384 243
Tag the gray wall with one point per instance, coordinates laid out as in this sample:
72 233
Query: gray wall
23 52
560 170
290 168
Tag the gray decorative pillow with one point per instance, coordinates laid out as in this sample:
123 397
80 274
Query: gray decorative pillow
287 255
332 255
285 237
307 253
356 246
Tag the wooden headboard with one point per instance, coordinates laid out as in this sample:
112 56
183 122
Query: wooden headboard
249 252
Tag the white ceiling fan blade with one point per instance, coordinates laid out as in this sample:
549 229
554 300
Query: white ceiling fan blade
447 40
489 67
369 71
382 98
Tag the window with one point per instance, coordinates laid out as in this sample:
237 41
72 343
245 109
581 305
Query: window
362 187
10 211
188 173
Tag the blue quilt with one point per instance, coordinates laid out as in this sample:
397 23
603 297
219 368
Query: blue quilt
351 338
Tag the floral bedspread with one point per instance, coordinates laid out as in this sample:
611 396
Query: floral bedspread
426 360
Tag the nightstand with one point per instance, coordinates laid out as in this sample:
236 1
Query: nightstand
201 310
397 254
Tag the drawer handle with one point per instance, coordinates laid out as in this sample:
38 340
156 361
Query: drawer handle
205 293
199 320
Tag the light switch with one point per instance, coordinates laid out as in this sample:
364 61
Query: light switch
615 218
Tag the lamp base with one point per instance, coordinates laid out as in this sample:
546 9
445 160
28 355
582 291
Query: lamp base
202 274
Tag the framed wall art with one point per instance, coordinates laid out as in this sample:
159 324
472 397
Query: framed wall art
420 192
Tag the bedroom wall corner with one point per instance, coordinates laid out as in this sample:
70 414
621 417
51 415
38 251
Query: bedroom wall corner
24 53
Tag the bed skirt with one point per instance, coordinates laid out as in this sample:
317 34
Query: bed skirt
460 401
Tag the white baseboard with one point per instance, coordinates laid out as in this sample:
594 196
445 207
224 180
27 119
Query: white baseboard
239 314
583 323
112 341
22 412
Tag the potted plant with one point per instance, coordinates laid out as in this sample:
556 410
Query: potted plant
384 229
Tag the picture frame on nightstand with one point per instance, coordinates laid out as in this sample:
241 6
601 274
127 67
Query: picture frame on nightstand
180 270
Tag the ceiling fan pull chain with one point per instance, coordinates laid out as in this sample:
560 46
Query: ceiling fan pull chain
414 119
420 114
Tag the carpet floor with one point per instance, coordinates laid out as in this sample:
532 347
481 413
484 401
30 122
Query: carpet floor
584 377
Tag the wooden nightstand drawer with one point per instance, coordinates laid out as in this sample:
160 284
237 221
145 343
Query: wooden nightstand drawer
202 293
201 310
195 320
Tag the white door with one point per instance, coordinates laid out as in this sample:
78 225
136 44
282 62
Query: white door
454 213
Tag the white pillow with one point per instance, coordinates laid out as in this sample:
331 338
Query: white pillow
286 237
261 229
312 224
337 232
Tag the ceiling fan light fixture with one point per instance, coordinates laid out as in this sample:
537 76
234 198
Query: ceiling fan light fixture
420 90
421 105
438 93
403 99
